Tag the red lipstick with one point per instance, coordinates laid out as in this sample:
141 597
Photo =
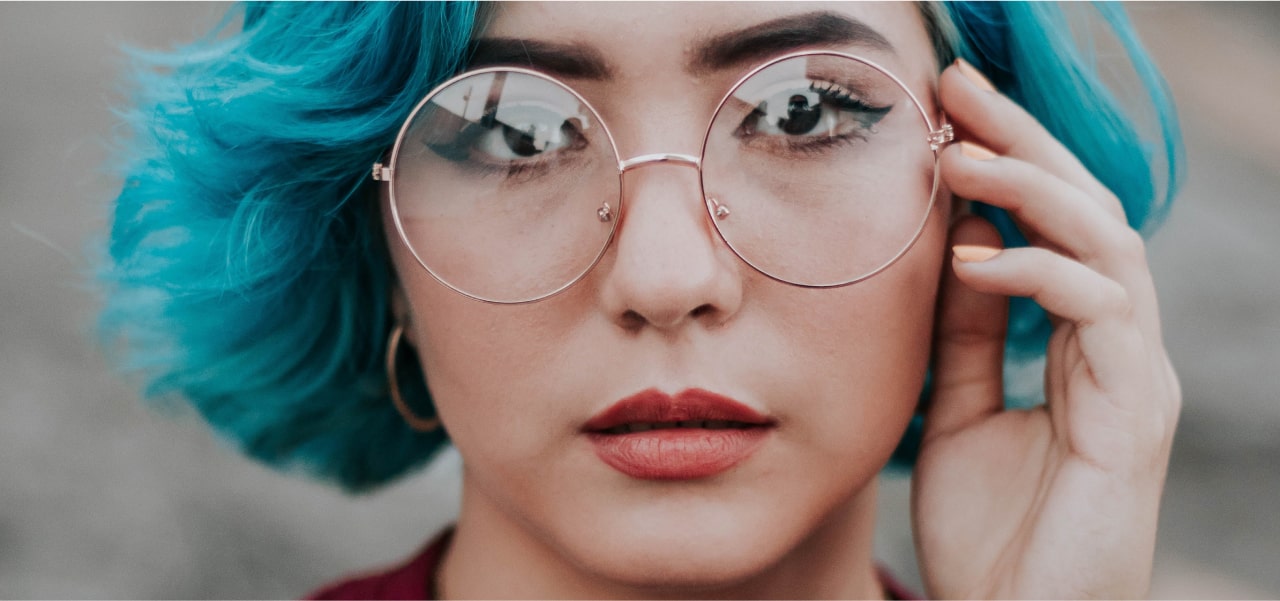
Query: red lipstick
695 434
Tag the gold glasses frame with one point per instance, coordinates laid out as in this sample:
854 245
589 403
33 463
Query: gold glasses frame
937 138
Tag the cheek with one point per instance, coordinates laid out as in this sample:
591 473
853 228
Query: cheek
483 362
863 352
510 382
487 365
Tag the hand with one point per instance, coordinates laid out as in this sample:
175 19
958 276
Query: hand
1059 501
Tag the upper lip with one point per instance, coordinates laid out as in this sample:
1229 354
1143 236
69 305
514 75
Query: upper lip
693 404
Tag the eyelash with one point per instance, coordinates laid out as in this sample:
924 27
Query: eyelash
844 100
468 136
460 150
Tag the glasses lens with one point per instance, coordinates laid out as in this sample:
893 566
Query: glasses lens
817 170
506 186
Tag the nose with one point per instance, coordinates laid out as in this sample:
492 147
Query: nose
670 268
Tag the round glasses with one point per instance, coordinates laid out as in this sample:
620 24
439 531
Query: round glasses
818 169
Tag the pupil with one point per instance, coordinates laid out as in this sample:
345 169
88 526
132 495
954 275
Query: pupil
801 117
522 143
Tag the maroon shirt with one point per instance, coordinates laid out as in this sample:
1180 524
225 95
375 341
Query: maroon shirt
415 579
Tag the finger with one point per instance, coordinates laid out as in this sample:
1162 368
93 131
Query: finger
1099 307
1052 208
968 345
995 121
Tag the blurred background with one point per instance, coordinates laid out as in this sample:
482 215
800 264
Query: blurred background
101 497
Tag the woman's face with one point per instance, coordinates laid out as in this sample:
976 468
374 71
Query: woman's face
830 376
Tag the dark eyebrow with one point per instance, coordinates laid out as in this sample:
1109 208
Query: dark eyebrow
573 61
771 38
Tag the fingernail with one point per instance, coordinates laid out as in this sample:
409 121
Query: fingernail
977 152
973 74
972 253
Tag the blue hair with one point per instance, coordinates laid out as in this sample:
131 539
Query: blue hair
247 271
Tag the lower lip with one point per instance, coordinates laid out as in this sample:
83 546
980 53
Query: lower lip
677 453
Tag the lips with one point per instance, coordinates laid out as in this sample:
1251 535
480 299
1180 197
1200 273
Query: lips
694 434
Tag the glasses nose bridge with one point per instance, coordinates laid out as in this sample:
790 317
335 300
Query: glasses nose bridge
674 158
660 157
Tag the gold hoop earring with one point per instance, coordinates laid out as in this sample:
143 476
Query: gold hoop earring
393 353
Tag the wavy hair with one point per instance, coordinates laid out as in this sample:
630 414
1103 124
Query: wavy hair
246 271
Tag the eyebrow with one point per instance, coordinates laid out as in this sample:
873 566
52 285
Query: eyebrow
569 60
771 38
752 44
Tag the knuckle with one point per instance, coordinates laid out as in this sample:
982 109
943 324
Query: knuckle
1165 428
1029 176
1024 121
1112 203
1115 301
1129 243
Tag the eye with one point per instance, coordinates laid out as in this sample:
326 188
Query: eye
521 134
804 113
821 110
507 136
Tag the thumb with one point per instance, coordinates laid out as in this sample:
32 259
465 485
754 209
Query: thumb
968 341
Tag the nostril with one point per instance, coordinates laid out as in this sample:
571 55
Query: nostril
701 310
632 320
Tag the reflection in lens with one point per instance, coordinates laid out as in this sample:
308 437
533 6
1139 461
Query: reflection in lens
499 179
822 164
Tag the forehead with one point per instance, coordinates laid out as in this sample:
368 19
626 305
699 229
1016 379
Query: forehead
640 37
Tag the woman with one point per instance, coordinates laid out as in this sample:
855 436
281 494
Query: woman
673 356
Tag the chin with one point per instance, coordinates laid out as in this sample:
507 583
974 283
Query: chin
675 562
688 543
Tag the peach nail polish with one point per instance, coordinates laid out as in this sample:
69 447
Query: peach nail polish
974 75
976 152
972 253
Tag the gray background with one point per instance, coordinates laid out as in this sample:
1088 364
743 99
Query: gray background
100 497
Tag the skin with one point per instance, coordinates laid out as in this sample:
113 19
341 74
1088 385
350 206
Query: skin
1079 480
1005 503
